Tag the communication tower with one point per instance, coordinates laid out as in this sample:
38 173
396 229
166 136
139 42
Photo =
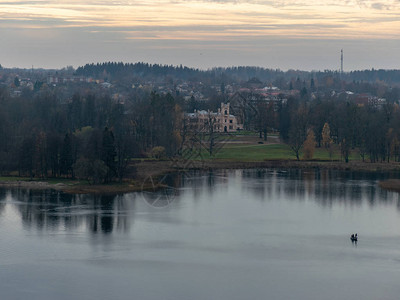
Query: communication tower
341 61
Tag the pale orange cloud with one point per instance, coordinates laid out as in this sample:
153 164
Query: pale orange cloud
203 20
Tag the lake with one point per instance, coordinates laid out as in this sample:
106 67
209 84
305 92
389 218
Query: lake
229 234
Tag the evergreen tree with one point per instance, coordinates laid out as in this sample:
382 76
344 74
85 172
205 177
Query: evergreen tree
109 153
16 81
66 156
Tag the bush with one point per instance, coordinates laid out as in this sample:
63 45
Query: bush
94 171
158 152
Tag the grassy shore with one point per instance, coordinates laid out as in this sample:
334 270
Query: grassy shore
264 152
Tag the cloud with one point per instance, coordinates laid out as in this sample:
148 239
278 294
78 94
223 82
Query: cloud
190 23
380 6
281 13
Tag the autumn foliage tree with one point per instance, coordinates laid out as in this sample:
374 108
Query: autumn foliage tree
309 146
326 136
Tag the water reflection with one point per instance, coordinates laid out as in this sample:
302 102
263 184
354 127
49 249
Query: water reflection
3 194
264 228
51 210
326 187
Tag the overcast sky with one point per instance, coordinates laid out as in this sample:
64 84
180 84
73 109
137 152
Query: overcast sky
285 34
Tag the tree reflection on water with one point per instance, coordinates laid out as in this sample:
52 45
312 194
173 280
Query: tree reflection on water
52 210
103 214
326 187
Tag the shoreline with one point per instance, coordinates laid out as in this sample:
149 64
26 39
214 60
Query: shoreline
94 189
390 185
146 170
293 164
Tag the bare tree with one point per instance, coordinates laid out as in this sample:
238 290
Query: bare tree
298 130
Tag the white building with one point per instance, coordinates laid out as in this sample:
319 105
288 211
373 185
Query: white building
221 121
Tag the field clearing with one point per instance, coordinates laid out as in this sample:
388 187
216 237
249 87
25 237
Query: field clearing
272 151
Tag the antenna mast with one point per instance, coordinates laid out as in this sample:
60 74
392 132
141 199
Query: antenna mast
341 61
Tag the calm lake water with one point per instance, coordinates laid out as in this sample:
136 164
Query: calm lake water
237 234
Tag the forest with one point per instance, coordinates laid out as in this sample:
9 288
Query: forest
371 131
128 71
94 137
90 137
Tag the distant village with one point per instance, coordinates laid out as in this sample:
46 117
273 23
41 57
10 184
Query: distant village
276 90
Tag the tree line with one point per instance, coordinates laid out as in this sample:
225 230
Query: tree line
371 131
121 71
94 137
89 136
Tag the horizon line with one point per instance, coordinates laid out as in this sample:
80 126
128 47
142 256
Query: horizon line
193 68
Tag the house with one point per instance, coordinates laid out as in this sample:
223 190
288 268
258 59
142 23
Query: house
221 121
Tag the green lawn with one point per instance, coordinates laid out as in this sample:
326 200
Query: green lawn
261 152
253 152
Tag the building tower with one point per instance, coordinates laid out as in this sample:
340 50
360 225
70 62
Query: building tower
341 61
